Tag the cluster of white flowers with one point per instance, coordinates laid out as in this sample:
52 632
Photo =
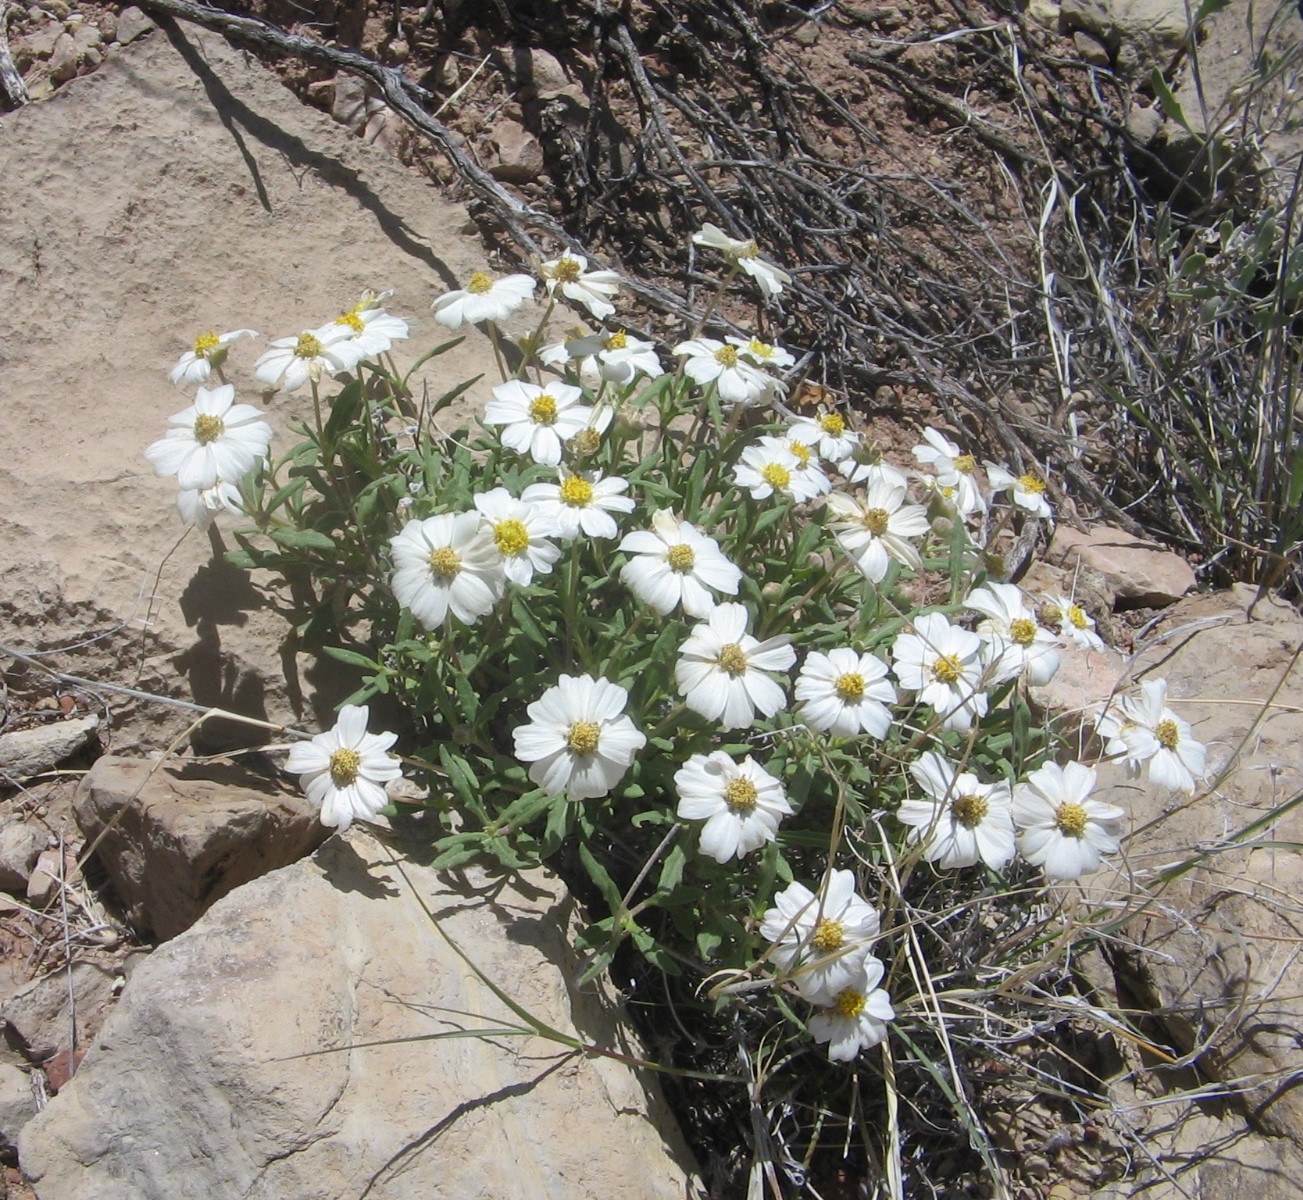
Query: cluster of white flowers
213 445
946 669
820 945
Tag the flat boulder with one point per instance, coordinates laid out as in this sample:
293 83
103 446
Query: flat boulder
305 1040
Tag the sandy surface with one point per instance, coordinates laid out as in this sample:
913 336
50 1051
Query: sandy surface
178 188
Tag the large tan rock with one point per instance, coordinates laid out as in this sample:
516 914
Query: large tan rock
197 1085
179 188
1214 953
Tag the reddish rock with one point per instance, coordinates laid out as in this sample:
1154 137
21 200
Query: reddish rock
1142 574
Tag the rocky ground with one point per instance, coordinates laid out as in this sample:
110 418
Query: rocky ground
162 182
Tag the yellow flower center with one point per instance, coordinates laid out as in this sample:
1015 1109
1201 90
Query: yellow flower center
1168 734
618 340
749 250
849 1004
681 558
206 343
479 283
542 410
351 321
947 669
208 428
445 562
307 347
876 521
511 537
1031 483
576 491
828 936
740 795
802 452
1051 614
726 356
582 737
567 270
965 464
1071 819
344 765
968 811
832 424
849 688
587 441
732 659
760 349
776 476
1023 631
1077 615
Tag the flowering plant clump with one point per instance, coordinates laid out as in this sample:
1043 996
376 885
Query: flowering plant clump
650 628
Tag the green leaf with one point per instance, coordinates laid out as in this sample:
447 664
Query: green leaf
597 873
301 539
1168 102
352 657
343 410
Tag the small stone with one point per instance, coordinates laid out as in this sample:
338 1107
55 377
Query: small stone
1091 49
17 1104
353 104
398 51
132 22
28 752
65 59
40 43
20 844
807 34
56 8
43 883
519 154
1045 13
107 24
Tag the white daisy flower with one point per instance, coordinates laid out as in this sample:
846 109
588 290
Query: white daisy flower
1020 645
821 942
483 299
943 665
447 564
772 467
861 470
845 693
809 478
763 354
963 821
1026 491
746 254
741 803
707 361
1060 829
1074 623
369 330
194 366
723 673
582 502
674 564
290 362
834 440
198 506
592 289
346 769
876 528
856 1019
519 534
1154 734
578 741
954 471
213 439
538 420
616 357
952 499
